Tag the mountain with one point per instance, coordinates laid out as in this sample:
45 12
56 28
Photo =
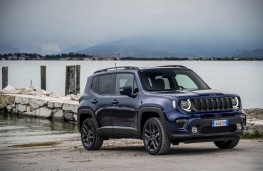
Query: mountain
7 49
161 47
257 53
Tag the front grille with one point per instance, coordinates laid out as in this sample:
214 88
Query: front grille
222 129
211 104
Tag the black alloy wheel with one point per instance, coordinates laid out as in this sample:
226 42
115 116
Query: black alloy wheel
89 136
155 138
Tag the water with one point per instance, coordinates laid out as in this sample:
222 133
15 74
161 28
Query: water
240 77
19 130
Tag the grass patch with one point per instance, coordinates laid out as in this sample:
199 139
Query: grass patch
252 135
36 144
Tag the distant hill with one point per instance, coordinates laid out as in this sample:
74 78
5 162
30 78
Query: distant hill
158 47
257 53
7 49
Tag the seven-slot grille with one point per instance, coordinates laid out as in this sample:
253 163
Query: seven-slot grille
211 104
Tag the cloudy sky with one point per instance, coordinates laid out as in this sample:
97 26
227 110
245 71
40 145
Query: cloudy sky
54 25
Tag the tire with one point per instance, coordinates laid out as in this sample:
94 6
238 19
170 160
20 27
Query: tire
89 136
155 138
227 144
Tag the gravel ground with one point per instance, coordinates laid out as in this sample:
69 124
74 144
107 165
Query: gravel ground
119 155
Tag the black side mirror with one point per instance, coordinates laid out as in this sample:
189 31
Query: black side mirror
126 90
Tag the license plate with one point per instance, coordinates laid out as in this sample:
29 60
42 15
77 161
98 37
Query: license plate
216 123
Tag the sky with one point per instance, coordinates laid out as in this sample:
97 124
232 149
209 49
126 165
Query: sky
55 25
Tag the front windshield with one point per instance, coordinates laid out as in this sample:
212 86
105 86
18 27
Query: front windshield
171 80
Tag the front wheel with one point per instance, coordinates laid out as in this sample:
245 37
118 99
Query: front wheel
227 144
155 138
89 136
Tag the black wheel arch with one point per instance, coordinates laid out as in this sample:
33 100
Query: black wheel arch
83 114
147 112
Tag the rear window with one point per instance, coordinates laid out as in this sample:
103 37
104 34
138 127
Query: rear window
106 84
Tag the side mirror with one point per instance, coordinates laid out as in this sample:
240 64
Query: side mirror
126 90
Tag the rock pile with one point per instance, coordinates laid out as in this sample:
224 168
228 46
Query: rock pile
38 103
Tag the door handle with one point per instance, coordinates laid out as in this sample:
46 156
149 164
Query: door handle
114 101
94 101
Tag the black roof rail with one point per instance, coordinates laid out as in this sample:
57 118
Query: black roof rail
116 68
174 66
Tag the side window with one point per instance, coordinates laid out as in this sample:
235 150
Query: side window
94 84
125 79
185 81
106 83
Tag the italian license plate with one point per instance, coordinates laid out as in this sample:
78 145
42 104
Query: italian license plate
217 123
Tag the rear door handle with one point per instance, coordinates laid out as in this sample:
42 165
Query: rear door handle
94 101
114 101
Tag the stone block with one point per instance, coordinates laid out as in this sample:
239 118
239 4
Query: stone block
59 115
21 100
69 116
58 104
21 107
50 105
36 103
5 100
43 112
68 107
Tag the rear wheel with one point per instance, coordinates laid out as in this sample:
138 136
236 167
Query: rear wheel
155 138
89 136
227 144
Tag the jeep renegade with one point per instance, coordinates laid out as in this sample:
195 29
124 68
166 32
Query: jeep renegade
161 105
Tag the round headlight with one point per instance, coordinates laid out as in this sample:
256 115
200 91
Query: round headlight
235 103
186 105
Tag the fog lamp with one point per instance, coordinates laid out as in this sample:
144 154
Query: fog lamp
239 126
194 129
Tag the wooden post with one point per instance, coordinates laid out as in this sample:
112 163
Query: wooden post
72 82
43 77
77 79
4 76
67 80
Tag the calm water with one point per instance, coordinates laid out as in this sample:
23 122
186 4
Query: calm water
241 77
16 130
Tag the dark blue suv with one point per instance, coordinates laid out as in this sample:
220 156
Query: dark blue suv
160 105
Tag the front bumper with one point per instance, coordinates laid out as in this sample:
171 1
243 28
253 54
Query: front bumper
205 131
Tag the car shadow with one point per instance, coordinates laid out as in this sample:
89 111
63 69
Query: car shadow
174 150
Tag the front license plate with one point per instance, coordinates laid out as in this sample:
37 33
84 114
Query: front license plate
216 123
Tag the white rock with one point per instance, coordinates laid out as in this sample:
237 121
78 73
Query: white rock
9 87
59 115
69 116
36 103
50 105
9 107
76 108
21 107
68 107
28 109
43 112
21 100
75 117
58 104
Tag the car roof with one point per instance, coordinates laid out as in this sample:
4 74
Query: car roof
123 68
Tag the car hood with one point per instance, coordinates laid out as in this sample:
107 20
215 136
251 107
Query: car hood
193 94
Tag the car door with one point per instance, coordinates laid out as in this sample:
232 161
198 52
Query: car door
124 112
102 102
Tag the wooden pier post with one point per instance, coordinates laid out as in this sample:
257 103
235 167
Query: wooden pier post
43 77
4 76
72 82
77 79
67 80
72 85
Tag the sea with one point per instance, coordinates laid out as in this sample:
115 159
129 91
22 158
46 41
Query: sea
244 78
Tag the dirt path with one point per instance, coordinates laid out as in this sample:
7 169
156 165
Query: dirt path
125 155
